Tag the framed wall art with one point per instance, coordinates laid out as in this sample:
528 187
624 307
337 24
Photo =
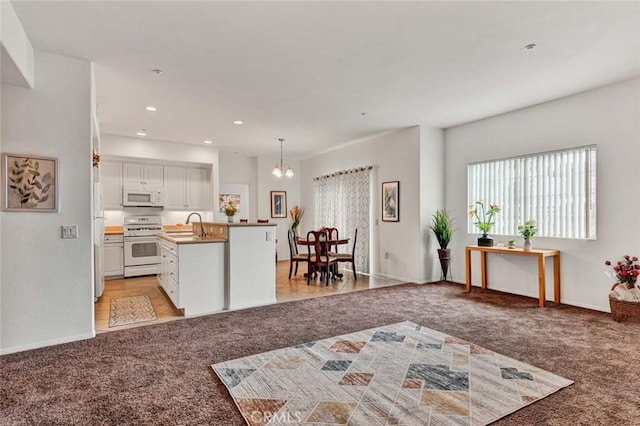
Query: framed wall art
278 204
391 201
30 183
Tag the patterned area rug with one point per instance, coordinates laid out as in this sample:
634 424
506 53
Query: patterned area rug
400 374
131 310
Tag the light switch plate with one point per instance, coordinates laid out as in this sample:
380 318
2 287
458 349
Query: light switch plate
69 231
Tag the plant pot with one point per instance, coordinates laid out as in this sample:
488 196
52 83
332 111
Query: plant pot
230 219
485 241
527 244
445 258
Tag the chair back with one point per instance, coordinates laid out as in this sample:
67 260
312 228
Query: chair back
293 247
332 234
320 246
353 249
263 220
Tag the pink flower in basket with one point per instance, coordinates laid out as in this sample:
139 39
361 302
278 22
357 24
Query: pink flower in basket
626 271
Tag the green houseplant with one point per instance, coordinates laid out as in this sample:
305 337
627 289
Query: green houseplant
484 219
442 228
528 230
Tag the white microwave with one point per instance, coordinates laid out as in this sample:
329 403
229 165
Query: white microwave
147 197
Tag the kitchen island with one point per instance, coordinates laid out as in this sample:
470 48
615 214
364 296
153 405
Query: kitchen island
232 267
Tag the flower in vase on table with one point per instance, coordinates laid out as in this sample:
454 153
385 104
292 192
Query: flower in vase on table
296 216
230 209
484 217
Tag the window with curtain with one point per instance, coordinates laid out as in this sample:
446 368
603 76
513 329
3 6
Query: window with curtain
556 189
342 201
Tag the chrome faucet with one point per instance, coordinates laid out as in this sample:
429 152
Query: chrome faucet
202 233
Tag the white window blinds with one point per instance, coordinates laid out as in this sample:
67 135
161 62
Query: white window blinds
556 189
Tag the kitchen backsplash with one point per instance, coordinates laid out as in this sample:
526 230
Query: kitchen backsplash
172 217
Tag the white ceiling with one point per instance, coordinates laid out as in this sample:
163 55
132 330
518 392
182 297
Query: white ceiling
305 71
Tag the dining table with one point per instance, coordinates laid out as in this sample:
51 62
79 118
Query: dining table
303 241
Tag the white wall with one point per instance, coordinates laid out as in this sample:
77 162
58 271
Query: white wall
608 117
267 182
241 170
396 156
47 292
17 53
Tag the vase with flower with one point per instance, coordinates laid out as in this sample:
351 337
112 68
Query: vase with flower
296 216
528 230
230 210
484 220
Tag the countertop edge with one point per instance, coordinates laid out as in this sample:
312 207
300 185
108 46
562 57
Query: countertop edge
190 240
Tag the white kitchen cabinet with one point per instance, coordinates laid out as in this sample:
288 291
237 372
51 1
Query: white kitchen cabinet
192 275
111 179
113 256
186 188
136 174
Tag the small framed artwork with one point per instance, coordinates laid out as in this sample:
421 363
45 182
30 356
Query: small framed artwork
279 204
391 201
30 183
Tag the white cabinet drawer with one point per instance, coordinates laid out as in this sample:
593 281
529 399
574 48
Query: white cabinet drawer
172 290
117 238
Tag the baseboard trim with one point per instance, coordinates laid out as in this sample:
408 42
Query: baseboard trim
46 343
535 296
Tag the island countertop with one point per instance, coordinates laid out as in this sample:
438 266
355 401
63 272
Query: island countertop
191 239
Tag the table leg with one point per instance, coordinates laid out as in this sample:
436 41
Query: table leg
541 280
468 264
556 277
483 268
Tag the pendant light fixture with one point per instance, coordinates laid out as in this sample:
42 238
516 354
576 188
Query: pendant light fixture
277 170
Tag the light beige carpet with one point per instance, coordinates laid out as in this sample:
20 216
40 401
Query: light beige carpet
400 374
131 310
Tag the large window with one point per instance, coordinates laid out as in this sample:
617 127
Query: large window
556 189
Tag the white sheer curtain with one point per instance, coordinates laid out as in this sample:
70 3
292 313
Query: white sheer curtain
342 201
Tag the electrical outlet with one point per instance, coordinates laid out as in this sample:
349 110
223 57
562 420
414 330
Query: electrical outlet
69 231
269 236
386 255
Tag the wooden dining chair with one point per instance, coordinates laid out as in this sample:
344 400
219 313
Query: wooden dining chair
332 234
295 257
349 258
318 259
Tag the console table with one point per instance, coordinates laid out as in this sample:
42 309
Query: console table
540 254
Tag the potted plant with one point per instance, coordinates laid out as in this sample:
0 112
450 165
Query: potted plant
296 216
512 244
528 230
484 220
442 227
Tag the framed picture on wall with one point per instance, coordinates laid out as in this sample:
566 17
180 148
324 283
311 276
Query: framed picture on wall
391 201
278 204
30 183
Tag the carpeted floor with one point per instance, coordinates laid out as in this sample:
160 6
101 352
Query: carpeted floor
160 374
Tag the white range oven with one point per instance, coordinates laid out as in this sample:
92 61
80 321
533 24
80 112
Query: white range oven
141 252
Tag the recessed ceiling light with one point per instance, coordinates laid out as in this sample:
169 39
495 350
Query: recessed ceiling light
142 132
208 142
151 108
363 114
530 47
238 122
157 71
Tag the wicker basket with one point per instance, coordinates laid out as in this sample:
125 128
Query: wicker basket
622 310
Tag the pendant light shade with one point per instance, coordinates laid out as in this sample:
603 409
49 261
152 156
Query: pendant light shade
278 169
